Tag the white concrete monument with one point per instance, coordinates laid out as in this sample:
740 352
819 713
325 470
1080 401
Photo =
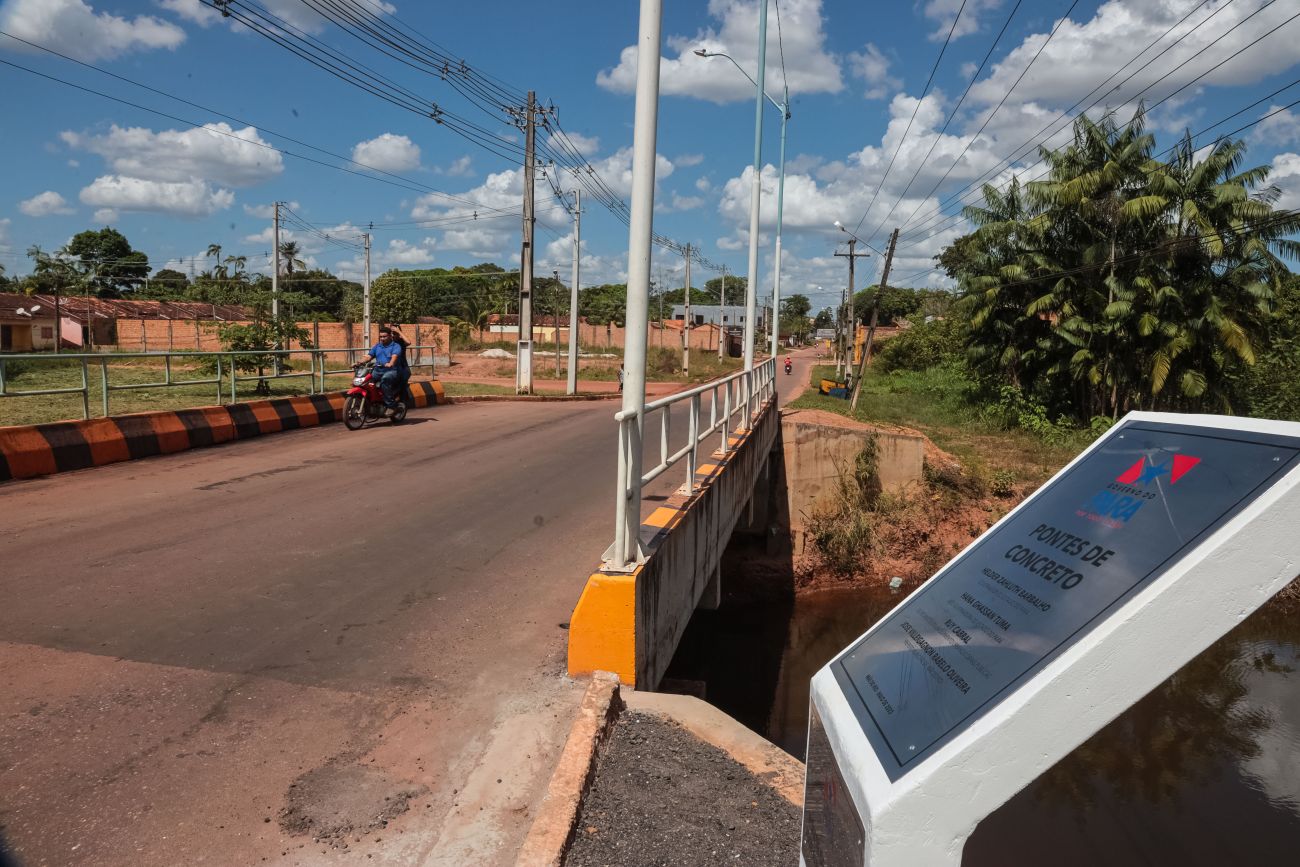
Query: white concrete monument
1147 548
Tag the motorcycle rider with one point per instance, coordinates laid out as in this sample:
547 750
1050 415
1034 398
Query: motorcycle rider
788 364
387 355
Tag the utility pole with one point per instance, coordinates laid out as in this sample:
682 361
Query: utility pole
686 326
853 287
852 317
524 358
275 270
722 313
555 320
839 333
573 295
365 295
875 310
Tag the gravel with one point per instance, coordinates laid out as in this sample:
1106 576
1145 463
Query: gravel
662 797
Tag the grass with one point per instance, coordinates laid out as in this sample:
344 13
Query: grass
462 389
48 408
942 404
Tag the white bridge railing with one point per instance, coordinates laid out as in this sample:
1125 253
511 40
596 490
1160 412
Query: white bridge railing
742 393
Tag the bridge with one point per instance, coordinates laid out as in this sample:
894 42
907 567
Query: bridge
336 623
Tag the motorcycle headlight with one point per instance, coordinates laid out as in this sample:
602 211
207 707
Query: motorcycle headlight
358 380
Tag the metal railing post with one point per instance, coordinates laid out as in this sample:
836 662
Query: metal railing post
234 375
618 557
692 457
103 383
726 418
218 377
85 389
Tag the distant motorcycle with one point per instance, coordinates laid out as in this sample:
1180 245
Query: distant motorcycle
788 367
365 400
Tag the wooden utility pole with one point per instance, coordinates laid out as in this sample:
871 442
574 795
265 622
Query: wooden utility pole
524 356
852 317
722 312
875 312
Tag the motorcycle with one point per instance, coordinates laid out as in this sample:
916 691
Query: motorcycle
788 367
365 400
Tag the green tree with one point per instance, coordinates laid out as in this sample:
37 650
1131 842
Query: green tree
259 336
735 288
289 257
825 318
106 261
1125 282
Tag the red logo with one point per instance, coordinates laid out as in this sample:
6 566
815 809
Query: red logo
1143 472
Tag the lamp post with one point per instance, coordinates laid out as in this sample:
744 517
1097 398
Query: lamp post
784 108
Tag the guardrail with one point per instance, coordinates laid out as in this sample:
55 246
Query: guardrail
743 392
224 367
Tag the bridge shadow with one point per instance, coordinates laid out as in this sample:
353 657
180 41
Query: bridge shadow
732 656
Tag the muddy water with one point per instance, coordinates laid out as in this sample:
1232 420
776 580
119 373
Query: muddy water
1203 771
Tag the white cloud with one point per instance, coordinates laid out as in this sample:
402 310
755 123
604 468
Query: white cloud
214 152
810 67
106 215
4 229
192 10
872 66
686 161
192 198
1082 55
45 204
677 202
267 211
1286 174
401 252
461 168
1279 130
943 11
586 145
75 28
388 152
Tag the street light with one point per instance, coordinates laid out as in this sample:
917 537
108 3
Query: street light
784 108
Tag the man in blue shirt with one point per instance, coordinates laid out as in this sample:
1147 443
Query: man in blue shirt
387 354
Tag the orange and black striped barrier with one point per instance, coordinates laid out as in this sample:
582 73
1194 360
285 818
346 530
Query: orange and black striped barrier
27 451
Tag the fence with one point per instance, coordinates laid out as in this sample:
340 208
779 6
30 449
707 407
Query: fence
743 392
225 366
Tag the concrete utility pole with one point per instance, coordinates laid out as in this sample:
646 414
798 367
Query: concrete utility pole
751 290
524 357
627 544
686 326
722 313
573 295
852 314
875 310
365 296
555 319
275 269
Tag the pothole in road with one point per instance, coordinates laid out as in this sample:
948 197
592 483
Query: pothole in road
342 799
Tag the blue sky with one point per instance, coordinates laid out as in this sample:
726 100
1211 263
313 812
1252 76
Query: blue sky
855 70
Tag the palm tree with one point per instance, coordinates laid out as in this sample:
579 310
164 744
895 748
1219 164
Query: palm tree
289 252
214 252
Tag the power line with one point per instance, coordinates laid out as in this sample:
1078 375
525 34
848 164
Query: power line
933 70
1018 152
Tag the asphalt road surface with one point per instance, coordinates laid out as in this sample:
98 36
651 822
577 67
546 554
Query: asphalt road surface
309 648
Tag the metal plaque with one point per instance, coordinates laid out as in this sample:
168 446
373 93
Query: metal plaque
1043 579
832 830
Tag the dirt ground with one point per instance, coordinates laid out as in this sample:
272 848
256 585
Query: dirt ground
662 797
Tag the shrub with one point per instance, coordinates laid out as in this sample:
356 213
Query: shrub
926 345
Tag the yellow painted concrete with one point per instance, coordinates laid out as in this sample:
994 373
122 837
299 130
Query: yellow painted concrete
662 517
602 633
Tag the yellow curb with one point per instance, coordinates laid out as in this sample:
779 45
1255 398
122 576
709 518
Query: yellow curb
602 632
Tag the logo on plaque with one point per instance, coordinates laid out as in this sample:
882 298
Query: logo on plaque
1116 504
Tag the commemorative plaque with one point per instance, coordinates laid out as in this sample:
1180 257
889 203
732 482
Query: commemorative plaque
1042 579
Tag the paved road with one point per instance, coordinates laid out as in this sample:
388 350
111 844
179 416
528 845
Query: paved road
211 657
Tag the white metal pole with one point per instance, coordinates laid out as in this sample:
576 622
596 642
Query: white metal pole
722 314
751 290
573 295
686 325
641 226
365 297
780 207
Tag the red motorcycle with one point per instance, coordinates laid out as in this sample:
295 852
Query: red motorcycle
365 401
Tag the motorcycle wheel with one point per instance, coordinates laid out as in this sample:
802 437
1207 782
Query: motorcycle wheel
399 414
354 412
